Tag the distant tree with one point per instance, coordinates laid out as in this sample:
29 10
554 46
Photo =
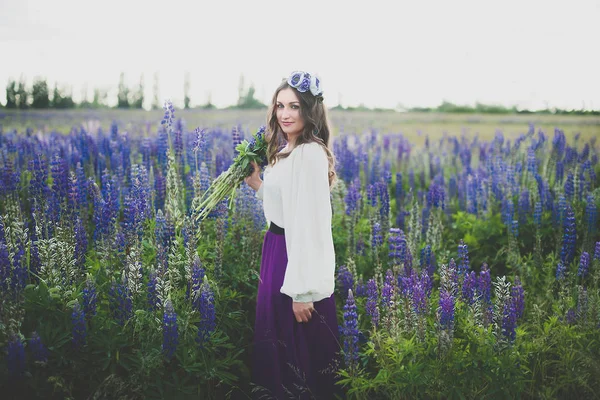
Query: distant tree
99 99
209 105
138 97
60 100
186 91
246 99
11 94
41 98
155 101
22 95
123 95
84 103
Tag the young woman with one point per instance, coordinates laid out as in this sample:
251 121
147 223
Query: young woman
296 346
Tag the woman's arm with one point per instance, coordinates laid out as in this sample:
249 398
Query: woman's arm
307 221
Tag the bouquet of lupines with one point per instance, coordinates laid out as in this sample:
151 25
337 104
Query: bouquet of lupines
229 181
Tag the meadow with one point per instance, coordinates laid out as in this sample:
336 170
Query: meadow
467 246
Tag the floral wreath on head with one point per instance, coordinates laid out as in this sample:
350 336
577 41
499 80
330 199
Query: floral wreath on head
303 82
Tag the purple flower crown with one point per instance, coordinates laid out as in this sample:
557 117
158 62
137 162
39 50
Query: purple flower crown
303 81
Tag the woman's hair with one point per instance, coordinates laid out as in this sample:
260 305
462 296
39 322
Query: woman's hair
316 128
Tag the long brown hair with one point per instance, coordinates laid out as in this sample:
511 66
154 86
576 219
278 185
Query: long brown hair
316 128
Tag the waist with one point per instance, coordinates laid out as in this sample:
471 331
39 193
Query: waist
276 229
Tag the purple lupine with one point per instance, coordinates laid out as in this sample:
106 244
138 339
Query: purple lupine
509 320
195 284
90 298
396 239
419 296
38 349
15 357
514 228
446 310
153 299
345 279
170 336
463 258
372 300
571 316
584 265
597 251
518 297
591 215
484 284
79 328
567 253
569 186
376 238
353 198
81 244
350 332
537 215
120 302
207 323
469 287
387 292
560 271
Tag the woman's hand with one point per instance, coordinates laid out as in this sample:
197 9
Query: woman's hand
254 180
303 311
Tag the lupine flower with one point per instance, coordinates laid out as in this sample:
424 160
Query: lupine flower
560 271
376 238
584 264
345 279
353 197
387 292
38 349
518 296
567 253
79 328
446 310
419 296
195 283
15 357
509 320
591 215
207 313
597 251
484 284
170 336
569 186
90 299
120 302
350 331
537 215
571 316
153 299
469 287
372 300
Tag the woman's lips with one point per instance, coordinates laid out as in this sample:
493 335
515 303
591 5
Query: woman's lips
287 123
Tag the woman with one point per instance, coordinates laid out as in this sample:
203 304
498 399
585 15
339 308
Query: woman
296 344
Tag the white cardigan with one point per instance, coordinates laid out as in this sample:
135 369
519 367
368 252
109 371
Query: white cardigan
295 193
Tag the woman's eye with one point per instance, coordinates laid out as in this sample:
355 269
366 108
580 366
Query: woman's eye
295 107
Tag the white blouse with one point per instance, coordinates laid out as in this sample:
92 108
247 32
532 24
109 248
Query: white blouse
295 193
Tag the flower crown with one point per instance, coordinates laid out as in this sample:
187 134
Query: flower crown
303 81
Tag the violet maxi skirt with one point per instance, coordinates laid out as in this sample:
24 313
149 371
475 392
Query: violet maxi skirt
291 359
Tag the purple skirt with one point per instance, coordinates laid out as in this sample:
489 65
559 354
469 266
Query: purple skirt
291 359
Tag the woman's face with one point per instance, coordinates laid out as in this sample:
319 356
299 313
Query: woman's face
288 113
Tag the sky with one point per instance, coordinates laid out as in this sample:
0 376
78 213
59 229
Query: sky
531 54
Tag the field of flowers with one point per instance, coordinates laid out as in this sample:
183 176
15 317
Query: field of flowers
468 265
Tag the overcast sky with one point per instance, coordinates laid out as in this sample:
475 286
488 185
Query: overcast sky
529 53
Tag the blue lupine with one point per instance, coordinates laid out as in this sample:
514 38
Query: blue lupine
484 284
509 320
584 265
567 253
387 292
353 198
153 299
569 186
195 284
514 228
79 327
376 238
350 332
560 172
591 215
446 310
419 296
81 244
170 335
384 200
372 301
537 215
90 298
518 297
207 313
120 302
597 251
361 288
560 271
345 279
38 349
469 288
15 357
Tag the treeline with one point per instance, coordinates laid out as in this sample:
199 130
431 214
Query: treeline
40 96
479 108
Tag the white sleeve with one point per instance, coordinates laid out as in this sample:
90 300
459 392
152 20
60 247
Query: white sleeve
309 275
